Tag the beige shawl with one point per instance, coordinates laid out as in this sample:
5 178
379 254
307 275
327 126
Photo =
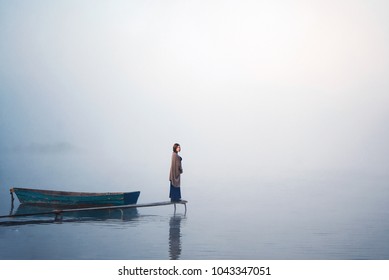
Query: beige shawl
176 170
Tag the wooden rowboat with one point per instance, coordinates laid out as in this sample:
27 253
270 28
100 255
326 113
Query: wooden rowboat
74 199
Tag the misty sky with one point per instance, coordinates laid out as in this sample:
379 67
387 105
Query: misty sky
103 89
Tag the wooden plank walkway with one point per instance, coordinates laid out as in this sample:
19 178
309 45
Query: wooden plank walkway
58 212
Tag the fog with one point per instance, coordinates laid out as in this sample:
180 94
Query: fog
93 94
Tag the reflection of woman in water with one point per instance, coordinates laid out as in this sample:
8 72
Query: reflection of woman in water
174 237
175 174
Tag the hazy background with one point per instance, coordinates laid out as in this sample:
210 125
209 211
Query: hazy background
93 94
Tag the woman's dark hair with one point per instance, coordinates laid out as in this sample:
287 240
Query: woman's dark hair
175 146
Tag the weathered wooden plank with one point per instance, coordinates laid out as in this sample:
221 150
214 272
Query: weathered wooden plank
60 211
163 203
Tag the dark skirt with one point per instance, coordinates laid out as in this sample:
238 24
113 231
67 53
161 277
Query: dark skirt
175 193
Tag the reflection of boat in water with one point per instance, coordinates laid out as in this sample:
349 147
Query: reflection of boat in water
39 216
74 199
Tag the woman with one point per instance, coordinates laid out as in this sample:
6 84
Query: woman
175 174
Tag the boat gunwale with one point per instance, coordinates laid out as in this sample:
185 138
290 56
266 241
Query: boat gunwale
69 193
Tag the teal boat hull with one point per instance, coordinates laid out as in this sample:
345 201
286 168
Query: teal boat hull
77 199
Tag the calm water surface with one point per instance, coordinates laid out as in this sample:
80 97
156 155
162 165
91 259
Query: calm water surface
337 216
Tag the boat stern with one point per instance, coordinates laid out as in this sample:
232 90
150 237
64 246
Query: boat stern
131 198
